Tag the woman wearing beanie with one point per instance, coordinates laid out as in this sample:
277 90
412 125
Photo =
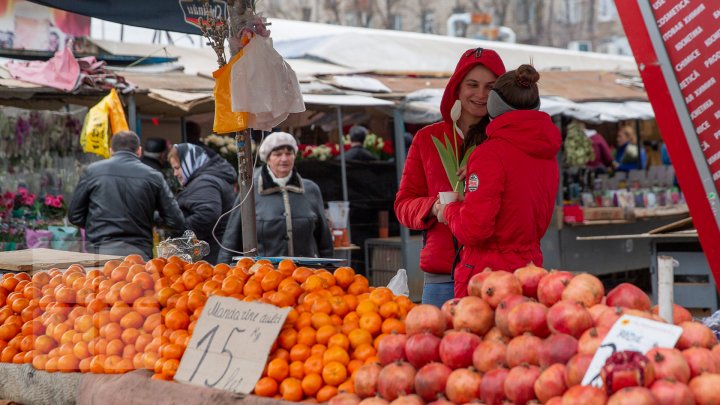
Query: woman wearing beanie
512 181
289 211
424 177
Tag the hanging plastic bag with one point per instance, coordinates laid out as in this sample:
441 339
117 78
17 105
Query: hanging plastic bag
226 120
95 134
117 114
188 247
399 283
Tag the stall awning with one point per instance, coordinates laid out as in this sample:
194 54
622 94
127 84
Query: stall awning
345 100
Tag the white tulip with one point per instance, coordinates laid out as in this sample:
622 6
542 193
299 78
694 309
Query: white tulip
455 111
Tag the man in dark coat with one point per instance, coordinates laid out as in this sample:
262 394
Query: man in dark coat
208 182
153 154
357 151
116 198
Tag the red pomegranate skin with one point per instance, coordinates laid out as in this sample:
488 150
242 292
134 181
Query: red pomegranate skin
530 277
584 288
671 392
489 355
498 285
392 348
680 314
396 379
366 378
430 380
422 348
569 317
628 296
632 396
523 349
669 363
529 317
457 347
345 398
473 314
447 309
584 394
550 288
492 387
551 383
591 339
463 386
705 388
695 334
627 369
557 348
575 369
503 310
520 383
425 318
700 360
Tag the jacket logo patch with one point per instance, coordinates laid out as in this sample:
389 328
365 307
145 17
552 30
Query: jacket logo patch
473 182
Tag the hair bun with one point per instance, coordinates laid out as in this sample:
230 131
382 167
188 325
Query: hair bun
526 76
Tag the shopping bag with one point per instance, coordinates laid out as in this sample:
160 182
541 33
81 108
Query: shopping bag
64 238
118 122
226 120
399 283
37 238
95 134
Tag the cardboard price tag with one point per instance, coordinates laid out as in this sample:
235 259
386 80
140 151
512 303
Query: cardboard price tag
630 333
230 344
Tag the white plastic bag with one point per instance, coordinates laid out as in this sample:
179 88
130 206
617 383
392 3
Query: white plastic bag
399 283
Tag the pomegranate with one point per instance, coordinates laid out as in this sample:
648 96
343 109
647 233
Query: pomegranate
473 314
700 360
528 317
608 318
627 369
680 314
425 318
584 394
523 349
550 287
671 392
447 309
345 398
457 347
558 348
716 353
503 309
463 386
430 380
520 382
396 379
489 355
374 401
669 363
492 387
591 339
695 334
628 296
554 401
496 334
476 281
441 401
529 277
569 317
632 396
584 288
575 369
498 285
597 310
392 348
365 379
705 388
551 383
408 400
422 348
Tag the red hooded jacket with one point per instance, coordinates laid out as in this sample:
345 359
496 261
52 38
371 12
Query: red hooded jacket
424 176
512 181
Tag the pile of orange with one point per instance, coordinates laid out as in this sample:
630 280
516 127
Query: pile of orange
132 315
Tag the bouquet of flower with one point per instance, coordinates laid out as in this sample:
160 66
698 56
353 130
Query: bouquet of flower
326 151
449 153
379 147
53 206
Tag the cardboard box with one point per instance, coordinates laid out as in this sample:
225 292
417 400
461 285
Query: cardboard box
603 213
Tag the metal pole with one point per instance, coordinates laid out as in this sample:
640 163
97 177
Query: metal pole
341 142
183 130
399 126
666 271
132 113
245 173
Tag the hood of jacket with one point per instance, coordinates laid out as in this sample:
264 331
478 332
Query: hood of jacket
217 167
533 132
469 59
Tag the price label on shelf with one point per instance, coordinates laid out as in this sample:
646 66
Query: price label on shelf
630 333
230 344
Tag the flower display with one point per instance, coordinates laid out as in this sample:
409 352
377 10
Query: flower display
53 207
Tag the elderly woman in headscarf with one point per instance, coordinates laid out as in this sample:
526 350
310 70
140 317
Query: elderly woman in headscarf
208 186
289 211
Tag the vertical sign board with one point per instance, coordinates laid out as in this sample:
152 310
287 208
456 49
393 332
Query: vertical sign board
230 344
676 44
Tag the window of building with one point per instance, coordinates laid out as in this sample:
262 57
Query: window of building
306 13
427 21
396 22
524 11
607 11
570 12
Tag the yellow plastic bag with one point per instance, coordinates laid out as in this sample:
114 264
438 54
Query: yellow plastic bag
95 134
117 114
226 120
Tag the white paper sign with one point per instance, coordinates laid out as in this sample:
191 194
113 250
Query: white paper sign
230 344
630 333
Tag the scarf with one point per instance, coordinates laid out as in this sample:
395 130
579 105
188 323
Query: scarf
192 157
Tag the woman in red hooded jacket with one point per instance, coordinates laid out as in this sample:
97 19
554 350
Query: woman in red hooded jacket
512 181
424 177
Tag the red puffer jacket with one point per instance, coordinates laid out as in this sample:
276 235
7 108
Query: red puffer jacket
511 186
423 178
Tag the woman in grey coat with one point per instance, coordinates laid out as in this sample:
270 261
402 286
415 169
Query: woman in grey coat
290 216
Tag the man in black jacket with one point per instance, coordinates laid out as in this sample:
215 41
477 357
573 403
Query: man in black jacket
116 198
357 151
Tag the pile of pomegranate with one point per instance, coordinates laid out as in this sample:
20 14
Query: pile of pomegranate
529 337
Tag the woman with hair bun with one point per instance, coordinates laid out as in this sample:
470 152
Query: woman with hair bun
512 180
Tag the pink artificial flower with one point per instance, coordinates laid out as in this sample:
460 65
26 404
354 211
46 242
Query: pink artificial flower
22 191
49 200
29 199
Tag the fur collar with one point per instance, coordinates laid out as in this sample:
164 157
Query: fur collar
266 185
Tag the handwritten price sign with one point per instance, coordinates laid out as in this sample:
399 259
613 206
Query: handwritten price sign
230 344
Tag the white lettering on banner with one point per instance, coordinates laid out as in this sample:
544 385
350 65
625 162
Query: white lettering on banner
716 14
688 38
712 38
659 3
716 175
703 127
709 83
703 107
694 13
688 59
689 98
711 60
672 31
672 13
717 134
686 82
714 158
717 115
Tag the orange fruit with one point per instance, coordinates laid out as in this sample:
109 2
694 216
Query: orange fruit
344 276
306 336
326 393
318 350
358 337
339 340
320 319
299 352
334 373
297 370
266 387
371 322
278 369
336 354
313 365
324 333
364 352
176 319
392 325
287 338
311 384
291 390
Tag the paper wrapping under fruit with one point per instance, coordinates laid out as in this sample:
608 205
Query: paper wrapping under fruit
188 247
